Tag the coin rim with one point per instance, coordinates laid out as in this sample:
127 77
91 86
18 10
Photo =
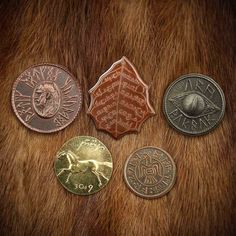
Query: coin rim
156 195
53 130
55 159
199 76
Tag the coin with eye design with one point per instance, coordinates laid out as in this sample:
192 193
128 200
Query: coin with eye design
194 104
83 165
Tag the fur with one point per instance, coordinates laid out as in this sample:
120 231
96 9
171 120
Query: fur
163 39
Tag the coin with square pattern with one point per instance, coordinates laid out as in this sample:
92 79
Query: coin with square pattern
194 104
150 172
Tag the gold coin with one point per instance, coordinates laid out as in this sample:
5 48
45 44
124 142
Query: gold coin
83 165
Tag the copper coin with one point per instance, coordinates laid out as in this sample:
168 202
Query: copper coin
120 100
46 98
150 172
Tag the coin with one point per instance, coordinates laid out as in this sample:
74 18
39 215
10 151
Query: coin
46 98
120 100
194 104
83 165
150 172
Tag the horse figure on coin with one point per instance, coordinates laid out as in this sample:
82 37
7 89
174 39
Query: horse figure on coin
81 166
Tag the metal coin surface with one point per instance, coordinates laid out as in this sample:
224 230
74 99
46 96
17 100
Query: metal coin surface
46 98
150 172
194 104
83 165
120 100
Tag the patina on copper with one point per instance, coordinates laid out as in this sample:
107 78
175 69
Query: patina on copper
120 100
46 98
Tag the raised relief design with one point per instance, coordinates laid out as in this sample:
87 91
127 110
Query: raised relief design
150 172
23 106
46 98
84 166
76 165
120 100
194 104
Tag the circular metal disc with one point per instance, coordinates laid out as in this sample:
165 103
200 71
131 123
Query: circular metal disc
46 98
83 165
194 104
150 172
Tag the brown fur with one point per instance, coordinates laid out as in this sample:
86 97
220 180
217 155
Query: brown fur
164 39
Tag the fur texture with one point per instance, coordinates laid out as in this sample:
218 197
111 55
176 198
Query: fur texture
163 39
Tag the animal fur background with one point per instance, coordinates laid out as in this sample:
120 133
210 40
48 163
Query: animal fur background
164 39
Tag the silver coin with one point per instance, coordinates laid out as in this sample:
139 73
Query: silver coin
194 104
150 172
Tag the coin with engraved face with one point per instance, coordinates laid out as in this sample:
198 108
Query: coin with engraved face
194 104
150 172
46 98
83 165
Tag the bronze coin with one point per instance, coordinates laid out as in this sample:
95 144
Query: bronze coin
150 172
46 98
120 100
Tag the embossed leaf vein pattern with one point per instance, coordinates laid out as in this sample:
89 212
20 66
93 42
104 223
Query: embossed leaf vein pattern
119 100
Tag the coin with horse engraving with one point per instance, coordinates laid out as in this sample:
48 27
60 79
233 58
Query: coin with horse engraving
83 165
150 172
46 98
194 104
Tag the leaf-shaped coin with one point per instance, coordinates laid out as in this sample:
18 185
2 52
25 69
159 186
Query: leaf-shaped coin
120 100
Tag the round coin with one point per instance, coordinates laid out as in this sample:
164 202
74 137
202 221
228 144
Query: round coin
83 165
150 172
46 98
194 104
